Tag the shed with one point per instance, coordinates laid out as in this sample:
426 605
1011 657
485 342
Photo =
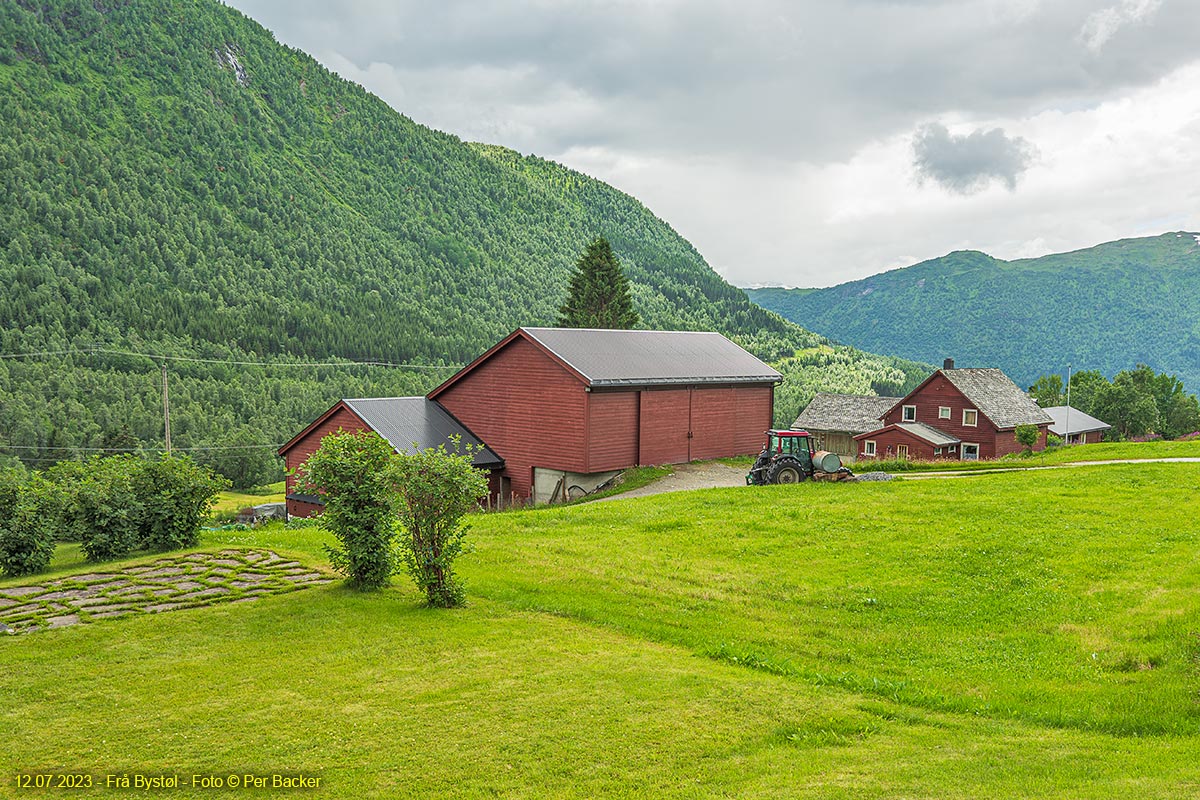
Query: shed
571 406
404 422
835 419
1075 427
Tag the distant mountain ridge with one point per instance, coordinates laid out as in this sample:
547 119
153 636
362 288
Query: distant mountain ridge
1107 307
175 181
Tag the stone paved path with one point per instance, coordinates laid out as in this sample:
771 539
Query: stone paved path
187 581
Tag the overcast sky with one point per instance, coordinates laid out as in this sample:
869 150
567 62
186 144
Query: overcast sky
811 142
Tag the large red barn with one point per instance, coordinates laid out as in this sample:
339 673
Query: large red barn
568 407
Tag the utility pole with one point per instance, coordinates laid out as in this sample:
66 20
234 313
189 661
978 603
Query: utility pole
166 409
1067 432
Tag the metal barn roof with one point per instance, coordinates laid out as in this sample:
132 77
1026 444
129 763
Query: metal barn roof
997 397
648 358
405 421
1080 422
853 413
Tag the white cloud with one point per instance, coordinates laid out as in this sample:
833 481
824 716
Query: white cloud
1102 25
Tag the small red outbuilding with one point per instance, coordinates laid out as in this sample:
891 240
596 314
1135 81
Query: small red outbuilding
404 422
568 407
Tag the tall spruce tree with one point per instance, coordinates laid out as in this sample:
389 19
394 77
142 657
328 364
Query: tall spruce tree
598 296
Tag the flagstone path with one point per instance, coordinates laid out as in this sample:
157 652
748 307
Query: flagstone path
187 581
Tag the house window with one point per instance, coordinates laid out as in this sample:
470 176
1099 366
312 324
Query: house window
869 447
970 452
902 451
970 417
943 412
909 413
937 451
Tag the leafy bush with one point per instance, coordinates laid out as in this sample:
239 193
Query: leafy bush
69 477
110 510
355 475
437 488
1027 436
27 524
175 495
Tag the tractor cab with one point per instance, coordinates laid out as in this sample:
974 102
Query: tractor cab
798 444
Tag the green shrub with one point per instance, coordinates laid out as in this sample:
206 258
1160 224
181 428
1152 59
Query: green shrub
1027 436
69 477
355 475
175 496
27 526
437 488
110 511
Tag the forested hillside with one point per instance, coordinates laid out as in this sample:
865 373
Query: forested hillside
1107 308
173 181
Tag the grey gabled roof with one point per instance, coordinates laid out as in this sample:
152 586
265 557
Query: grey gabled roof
1079 421
928 433
853 413
649 358
405 421
994 394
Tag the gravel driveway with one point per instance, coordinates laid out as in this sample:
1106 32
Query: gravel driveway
706 475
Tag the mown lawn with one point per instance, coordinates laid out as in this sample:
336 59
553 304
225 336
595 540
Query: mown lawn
235 501
1017 635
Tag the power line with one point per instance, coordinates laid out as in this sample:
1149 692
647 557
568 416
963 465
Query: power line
232 362
136 449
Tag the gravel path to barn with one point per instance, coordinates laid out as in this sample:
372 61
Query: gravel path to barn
704 475
175 582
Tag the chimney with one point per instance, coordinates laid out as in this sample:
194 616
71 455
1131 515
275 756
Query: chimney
948 363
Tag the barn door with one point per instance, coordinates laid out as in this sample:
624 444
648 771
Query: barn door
665 426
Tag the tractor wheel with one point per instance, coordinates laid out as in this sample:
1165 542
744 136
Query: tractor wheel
786 472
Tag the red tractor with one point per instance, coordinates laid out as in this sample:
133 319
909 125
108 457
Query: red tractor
790 457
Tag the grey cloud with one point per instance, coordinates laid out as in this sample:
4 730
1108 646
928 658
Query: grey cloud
790 80
967 163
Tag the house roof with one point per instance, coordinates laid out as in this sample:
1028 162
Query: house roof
853 413
929 433
996 396
1079 421
407 421
638 358
920 430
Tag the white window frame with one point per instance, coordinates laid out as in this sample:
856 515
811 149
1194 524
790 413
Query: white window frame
904 417
974 424
902 451
869 448
943 412
962 452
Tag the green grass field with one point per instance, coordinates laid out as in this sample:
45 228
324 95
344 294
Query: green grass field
1030 634
231 501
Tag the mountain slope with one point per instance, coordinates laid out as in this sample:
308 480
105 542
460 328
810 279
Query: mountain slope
175 181
1107 307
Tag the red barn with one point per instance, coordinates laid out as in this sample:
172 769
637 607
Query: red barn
963 414
566 408
402 421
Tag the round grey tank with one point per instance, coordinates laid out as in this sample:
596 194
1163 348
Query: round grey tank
825 461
